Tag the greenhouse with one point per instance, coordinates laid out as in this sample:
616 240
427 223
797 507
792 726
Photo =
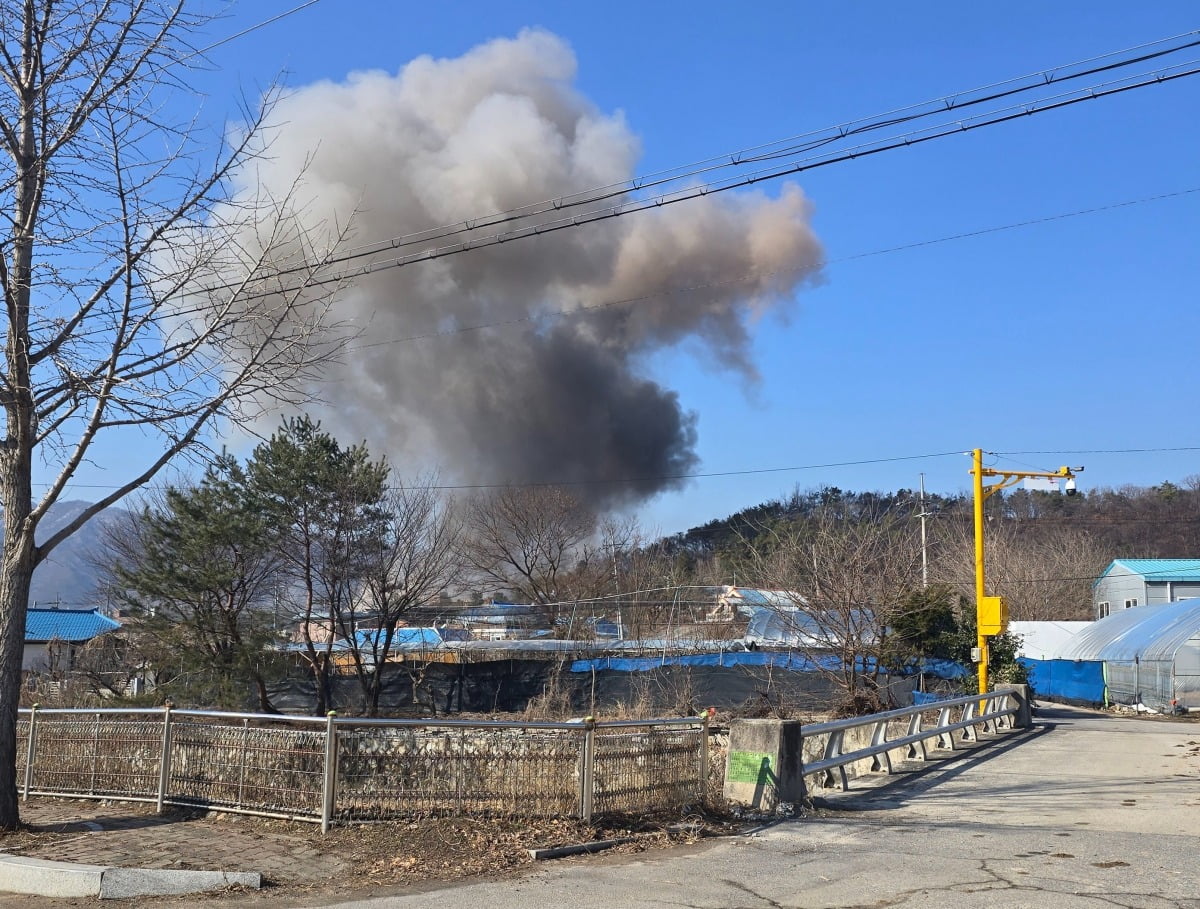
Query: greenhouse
1150 654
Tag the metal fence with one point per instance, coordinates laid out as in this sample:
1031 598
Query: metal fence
347 770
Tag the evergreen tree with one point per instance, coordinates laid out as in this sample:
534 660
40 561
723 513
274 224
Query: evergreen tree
197 570
326 503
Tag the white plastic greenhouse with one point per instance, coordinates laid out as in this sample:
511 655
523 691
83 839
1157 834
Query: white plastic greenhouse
1151 654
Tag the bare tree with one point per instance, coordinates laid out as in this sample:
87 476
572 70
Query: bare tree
139 294
850 578
527 540
417 558
1043 570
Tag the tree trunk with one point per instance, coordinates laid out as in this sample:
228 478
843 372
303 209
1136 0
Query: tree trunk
264 696
15 578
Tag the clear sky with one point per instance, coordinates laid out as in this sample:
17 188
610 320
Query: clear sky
1074 334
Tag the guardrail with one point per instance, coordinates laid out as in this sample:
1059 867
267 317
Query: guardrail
354 770
905 728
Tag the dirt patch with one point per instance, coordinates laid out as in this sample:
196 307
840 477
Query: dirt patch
296 858
450 848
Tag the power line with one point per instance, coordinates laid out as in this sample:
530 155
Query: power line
734 473
782 148
618 481
228 38
941 105
695 192
253 28
584 309
1099 451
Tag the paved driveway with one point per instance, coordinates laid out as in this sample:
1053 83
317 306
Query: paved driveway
1086 810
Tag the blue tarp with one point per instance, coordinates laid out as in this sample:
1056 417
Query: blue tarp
920 698
794 662
1080 681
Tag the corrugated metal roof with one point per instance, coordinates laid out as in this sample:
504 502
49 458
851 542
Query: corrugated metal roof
429 637
74 625
1146 633
1159 569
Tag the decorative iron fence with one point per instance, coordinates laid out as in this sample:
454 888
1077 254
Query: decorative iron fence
346 770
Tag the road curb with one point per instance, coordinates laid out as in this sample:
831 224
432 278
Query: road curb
40 877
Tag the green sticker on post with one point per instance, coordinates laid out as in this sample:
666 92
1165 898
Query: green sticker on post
749 767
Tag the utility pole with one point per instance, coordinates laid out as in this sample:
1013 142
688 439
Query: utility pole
991 613
924 551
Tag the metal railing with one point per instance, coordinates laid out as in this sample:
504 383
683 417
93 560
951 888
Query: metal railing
351 770
905 728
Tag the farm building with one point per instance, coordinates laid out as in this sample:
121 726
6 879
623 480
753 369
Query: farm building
1148 656
1128 583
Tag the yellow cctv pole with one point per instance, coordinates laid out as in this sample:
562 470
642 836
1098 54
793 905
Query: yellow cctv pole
991 613
981 638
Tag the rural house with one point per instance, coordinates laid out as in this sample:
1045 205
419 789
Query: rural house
53 635
1127 583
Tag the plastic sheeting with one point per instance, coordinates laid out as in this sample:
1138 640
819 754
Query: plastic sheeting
1144 633
799 628
1044 640
1080 682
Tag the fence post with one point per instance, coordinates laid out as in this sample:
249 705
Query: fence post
30 752
95 754
879 737
587 771
164 762
702 757
241 799
329 785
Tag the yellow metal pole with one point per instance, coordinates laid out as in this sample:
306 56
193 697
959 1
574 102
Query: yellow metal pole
979 588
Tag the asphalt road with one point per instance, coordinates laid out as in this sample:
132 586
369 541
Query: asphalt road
1085 810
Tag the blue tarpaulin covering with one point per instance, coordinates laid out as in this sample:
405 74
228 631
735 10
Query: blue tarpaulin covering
1080 681
794 662
921 698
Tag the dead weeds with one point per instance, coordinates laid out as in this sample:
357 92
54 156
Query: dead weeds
427 849
451 848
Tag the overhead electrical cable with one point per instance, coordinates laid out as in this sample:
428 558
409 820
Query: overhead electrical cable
644 479
585 308
950 103
176 61
543 228
789 147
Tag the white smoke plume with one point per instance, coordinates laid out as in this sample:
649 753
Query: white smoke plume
553 398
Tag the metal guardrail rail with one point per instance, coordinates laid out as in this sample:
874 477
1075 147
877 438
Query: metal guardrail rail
354 770
905 728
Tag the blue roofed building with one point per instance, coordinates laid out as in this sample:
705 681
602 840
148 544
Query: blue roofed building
1129 583
53 635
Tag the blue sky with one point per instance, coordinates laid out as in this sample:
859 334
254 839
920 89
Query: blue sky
1073 334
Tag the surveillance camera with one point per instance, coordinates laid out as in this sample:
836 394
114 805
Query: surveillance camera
1070 486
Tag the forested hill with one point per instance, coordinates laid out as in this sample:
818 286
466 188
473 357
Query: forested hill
1160 521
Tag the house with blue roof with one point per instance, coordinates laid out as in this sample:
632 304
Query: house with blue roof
1129 583
53 635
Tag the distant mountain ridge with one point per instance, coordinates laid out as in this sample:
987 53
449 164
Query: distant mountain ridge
69 576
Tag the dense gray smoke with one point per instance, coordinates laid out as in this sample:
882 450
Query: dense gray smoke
561 392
